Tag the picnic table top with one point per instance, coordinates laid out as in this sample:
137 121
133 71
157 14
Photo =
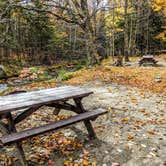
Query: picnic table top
40 97
148 56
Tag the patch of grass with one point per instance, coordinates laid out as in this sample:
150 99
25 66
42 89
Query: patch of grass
12 71
67 76
54 68
63 75
34 69
78 67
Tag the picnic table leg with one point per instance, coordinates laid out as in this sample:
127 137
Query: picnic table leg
57 110
87 123
12 128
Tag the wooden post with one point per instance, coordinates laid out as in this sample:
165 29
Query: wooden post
87 123
12 128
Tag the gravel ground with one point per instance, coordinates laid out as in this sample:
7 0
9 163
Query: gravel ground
133 133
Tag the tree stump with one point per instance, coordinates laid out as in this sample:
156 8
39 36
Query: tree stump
119 61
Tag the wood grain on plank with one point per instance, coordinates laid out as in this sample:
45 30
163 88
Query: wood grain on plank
36 98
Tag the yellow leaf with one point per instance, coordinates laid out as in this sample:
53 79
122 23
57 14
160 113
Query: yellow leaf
79 145
93 164
76 164
146 114
142 110
84 162
152 132
67 163
130 136
125 119
134 100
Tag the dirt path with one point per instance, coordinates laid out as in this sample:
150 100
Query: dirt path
134 132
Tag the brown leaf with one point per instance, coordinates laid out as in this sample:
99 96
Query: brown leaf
152 132
84 162
130 136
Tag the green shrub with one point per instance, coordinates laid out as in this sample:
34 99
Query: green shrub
78 67
34 69
67 76
63 75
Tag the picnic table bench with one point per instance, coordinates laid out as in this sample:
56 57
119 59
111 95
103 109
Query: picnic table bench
32 101
147 59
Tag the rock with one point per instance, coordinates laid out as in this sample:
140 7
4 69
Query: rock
157 79
115 164
104 164
127 64
3 87
107 159
106 152
3 74
69 133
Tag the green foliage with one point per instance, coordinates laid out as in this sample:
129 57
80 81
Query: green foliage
67 76
12 70
44 76
78 67
63 75
34 70
40 73
81 64
34 35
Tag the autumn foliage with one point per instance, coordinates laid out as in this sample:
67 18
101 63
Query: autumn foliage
143 78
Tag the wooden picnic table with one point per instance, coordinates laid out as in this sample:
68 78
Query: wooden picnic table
32 101
147 59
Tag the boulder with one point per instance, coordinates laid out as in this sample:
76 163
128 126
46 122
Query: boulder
3 74
3 87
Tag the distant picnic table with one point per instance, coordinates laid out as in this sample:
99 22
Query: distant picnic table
32 101
147 60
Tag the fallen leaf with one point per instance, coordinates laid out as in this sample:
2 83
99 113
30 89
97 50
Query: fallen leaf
152 132
130 136
84 162
50 162
125 119
67 163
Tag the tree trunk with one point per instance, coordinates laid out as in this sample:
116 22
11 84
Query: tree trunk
113 29
126 36
91 48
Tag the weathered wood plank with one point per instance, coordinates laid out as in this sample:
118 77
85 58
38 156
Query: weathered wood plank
16 137
43 92
36 98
